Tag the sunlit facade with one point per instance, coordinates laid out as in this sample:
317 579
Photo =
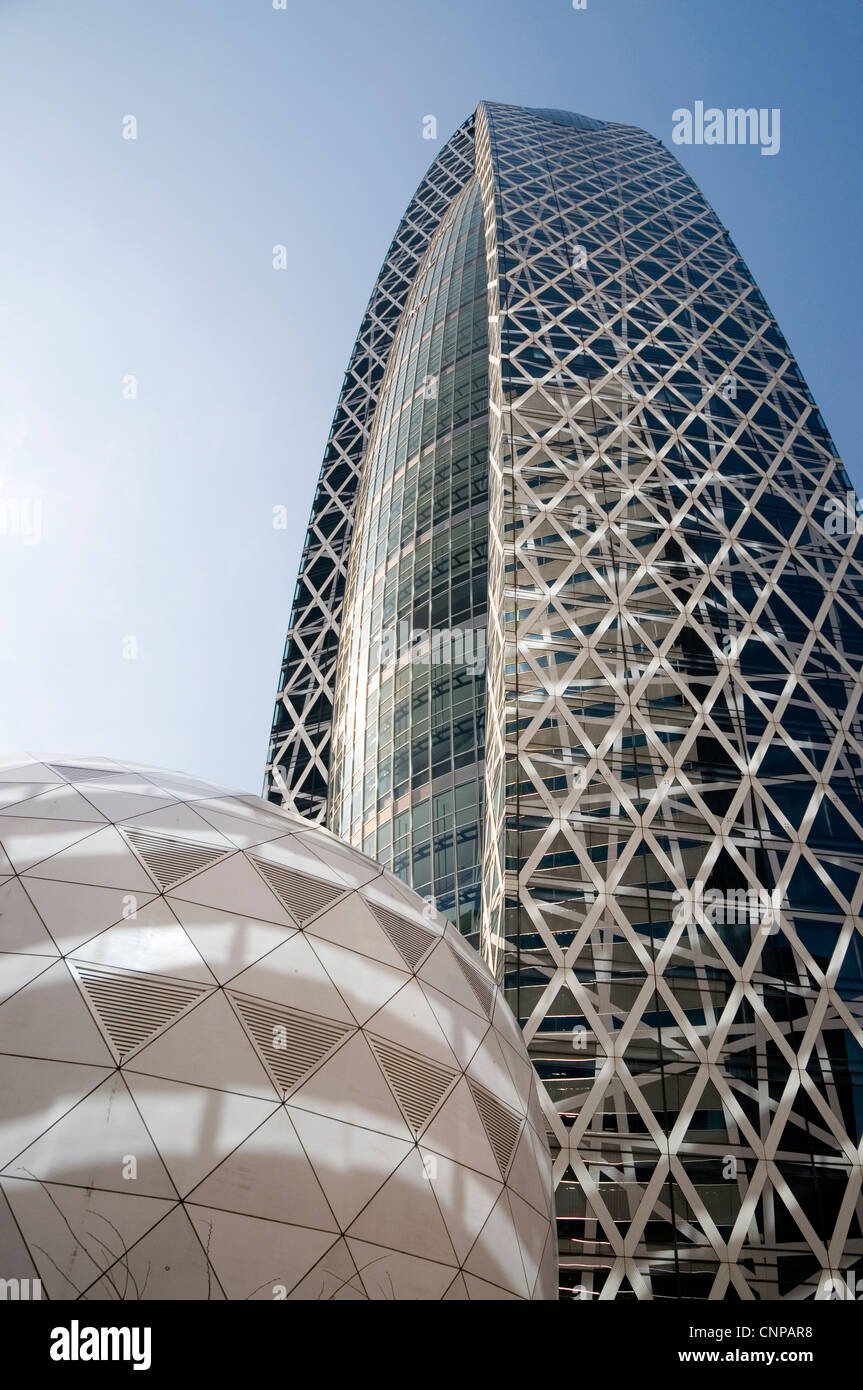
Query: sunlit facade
408 740
572 429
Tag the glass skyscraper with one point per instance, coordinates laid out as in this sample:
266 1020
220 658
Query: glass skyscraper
575 649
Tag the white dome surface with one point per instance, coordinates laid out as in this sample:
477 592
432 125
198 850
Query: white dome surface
240 1060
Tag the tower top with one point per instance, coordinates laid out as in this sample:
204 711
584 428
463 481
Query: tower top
570 118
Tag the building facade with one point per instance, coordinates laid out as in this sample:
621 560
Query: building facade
575 650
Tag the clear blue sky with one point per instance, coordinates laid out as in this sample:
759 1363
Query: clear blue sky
153 258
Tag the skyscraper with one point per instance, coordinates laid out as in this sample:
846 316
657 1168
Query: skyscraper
575 649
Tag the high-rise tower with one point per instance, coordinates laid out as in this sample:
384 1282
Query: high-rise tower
576 649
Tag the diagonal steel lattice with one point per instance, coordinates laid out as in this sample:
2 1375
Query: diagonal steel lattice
672 846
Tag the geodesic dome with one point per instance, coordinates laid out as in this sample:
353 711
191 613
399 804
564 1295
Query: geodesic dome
240 1060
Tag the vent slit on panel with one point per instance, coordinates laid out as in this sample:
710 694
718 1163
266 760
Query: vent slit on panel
134 1008
412 941
483 989
501 1124
169 860
419 1085
303 896
291 1043
84 774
